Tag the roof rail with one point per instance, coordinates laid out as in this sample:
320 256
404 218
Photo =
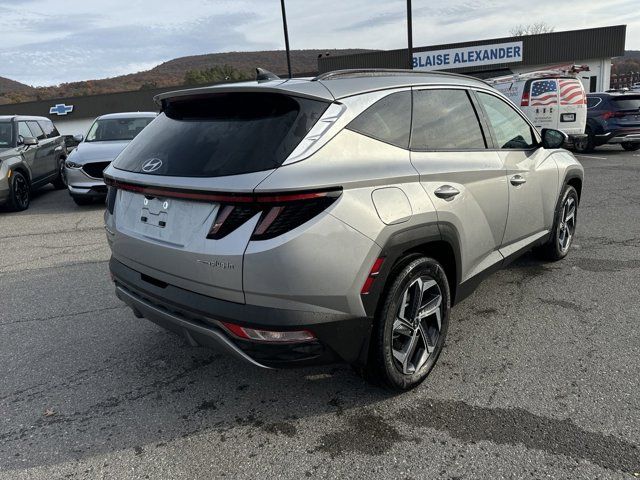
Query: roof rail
383 72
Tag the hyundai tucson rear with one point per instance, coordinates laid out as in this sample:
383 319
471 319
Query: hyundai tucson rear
307 221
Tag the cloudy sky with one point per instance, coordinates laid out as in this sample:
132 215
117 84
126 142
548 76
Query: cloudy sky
46 42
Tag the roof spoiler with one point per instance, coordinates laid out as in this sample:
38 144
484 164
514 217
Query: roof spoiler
263 75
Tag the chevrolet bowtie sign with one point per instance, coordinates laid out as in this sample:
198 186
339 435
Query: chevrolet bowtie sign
60 109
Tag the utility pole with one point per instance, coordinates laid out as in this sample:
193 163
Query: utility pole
409 34
286 36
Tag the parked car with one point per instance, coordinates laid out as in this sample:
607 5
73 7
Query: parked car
32 154
106 138
613 118
338 218
549 98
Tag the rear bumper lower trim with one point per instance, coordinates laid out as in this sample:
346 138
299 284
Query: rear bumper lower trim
156 315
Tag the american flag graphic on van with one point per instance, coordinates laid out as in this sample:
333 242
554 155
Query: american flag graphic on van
571 92
544 93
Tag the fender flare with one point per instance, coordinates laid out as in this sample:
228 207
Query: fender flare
397 251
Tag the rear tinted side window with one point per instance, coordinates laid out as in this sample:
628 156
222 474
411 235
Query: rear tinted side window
49 129
510 129
445 120
387 120
593 102
36 130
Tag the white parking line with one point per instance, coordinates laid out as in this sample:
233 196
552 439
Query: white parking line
591 156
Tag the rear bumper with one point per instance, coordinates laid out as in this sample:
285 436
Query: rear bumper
199 318
631 135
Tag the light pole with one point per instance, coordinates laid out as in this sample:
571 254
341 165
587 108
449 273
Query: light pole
409 34
286 36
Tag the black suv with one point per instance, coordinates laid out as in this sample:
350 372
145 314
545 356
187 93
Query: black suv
613 118
32 154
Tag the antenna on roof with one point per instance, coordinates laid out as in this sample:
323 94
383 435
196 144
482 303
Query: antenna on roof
263 75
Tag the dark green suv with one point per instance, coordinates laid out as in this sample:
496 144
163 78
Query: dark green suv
32 154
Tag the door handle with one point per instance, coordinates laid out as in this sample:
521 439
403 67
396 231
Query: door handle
447 192
517 180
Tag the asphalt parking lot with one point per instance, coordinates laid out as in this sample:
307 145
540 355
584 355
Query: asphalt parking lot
539 378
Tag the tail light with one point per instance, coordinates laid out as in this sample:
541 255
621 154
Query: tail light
608 115
525 99
279 213
270 336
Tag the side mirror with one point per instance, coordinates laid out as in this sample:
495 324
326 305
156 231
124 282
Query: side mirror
29 141
78 138
553 138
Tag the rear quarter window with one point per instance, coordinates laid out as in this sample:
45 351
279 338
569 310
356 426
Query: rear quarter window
387 120
593 102
222 134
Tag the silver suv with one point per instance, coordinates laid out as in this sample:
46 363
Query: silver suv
32 154
106 138
338 218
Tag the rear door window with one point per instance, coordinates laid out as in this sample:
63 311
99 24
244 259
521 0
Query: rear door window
49 129
24 131
222 134
387 120
571 91
445 120
627 102
36 130
544 93
511 131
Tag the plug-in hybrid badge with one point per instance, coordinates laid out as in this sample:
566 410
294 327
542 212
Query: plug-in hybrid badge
151 165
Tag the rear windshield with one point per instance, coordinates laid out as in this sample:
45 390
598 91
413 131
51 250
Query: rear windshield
6 134
222 134
116 129
627 102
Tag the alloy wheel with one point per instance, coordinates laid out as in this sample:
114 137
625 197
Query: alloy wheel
417 325
567 226
21 191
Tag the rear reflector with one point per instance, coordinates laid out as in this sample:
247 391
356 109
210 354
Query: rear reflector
271 336
373 273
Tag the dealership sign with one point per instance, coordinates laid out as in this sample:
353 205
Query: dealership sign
468 56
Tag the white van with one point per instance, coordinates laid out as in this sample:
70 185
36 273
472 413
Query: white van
550 99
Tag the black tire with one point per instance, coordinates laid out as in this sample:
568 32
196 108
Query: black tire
383 368
19 193
630 147
82 201
61 181
587 146
556 248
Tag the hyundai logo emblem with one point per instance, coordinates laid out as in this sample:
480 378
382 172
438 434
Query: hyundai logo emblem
151 165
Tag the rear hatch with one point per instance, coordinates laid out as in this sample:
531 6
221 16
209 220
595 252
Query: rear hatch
627 110
184 209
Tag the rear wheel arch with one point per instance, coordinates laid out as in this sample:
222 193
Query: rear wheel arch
437 241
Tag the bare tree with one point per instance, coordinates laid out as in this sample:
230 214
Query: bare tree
531 29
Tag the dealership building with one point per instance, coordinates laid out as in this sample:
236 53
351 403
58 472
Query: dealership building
594 47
